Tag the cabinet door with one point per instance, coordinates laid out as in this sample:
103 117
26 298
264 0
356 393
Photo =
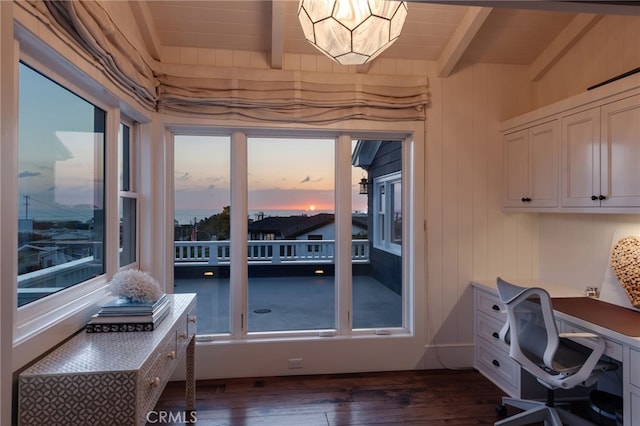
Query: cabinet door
543 165
620 153
516 168
531 167
581 159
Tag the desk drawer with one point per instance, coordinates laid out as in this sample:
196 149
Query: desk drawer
155 375
612 349
490 304
498 367
489 328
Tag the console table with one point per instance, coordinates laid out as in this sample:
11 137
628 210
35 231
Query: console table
110 378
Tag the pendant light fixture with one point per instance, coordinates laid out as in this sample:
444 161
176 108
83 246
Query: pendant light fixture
352 32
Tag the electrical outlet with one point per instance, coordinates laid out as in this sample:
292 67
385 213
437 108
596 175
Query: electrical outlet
295 363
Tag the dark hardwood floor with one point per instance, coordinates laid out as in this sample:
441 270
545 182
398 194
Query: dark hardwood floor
432 397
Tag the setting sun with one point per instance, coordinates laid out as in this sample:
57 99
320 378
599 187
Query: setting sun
312 207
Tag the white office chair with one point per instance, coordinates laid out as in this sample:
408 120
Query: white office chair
552 358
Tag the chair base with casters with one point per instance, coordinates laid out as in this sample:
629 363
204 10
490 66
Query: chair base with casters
538 411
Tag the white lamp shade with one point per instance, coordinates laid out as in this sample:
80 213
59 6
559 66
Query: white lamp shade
352 32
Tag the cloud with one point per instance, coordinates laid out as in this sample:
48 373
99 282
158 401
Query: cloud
308 179
182 176
28 174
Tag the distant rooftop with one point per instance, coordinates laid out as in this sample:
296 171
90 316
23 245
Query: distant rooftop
290 227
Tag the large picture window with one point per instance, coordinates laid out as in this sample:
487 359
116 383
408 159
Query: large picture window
299 191
61 146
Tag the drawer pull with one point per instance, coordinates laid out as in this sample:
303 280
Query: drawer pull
495 362
192 318
171 355
183 334
495 307
496 335
155 381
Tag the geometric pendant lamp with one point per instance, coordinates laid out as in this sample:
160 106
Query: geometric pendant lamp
352 32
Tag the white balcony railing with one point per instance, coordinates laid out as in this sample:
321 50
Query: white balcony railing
267 251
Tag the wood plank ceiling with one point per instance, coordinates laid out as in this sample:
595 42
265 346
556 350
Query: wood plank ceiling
445 31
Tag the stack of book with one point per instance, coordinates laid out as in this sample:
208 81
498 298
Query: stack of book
124 315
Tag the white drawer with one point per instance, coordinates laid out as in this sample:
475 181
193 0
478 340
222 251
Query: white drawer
489 328
490 304
498 367
612 349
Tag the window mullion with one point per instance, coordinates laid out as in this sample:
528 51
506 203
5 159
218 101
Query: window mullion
239 230
343 234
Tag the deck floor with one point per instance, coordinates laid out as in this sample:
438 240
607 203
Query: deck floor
293 303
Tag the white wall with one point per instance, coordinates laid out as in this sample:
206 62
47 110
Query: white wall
468 235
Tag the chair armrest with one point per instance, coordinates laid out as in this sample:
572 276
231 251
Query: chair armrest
578 335
585 372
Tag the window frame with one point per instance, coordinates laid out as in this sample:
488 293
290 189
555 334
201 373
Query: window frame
53 318
383 227
343 148
131 192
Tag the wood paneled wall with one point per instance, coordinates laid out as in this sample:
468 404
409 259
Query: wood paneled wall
468 235
610 48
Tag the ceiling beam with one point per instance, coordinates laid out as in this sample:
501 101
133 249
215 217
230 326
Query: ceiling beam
277 33
464 34
586 6
142 17
567 38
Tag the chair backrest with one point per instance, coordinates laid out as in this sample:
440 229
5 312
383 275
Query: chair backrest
533 335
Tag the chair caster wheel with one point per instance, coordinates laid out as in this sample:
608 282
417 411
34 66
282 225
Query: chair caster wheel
501 410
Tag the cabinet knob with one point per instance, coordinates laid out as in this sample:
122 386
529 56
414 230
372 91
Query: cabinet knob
495 362
183 334
155 381
192 318
171 355
594 198
525 199
495 307
602 197
495 335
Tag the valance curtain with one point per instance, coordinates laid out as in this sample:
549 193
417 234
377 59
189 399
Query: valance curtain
254 95
296 97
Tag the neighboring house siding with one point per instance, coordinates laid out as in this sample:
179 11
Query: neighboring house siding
385 267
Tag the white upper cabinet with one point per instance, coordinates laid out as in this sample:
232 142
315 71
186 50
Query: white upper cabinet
581 154
581 159
531 167
601 156
620 153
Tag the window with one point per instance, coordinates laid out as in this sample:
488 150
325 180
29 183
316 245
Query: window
202 213
128 200
61 148
387 198
286 195
291 184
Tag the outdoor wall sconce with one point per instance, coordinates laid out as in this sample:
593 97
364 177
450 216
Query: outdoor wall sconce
364 186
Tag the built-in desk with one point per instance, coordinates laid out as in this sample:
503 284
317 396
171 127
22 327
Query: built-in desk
105 379
619 326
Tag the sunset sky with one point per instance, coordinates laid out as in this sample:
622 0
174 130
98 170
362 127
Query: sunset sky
284 174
